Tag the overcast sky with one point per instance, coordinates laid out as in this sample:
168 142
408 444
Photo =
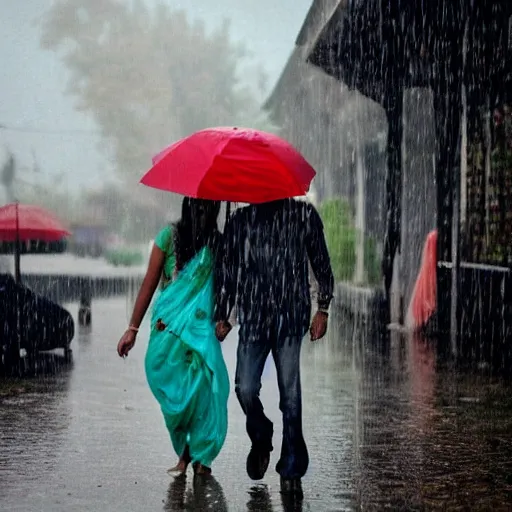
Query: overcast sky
32 81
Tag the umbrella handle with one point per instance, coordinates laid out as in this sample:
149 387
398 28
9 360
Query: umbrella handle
228 212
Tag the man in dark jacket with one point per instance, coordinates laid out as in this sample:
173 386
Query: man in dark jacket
263 267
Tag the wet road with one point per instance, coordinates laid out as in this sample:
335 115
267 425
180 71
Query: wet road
391 433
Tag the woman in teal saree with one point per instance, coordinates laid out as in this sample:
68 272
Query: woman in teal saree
184 365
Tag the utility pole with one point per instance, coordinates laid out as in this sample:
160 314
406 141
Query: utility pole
7 172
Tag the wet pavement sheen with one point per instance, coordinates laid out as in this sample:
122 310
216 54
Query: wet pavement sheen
389 433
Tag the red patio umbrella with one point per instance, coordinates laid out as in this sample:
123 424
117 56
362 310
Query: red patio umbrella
424 296
231 164
26 223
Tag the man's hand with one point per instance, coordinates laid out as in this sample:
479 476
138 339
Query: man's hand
318 326
222 329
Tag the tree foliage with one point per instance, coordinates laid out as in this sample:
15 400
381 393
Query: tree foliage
148 77
341 237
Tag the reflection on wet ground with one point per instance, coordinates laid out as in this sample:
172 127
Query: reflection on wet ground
383 432
433 439
205 493
34 417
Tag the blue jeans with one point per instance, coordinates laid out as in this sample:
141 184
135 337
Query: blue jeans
254 346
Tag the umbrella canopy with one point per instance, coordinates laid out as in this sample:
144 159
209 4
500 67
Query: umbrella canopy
25 222
231 164
31 224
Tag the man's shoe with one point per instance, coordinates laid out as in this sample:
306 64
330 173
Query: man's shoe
257 463
292 487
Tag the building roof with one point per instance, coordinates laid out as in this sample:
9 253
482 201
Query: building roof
297 67
320 12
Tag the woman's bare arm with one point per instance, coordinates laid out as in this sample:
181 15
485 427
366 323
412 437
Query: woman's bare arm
148 286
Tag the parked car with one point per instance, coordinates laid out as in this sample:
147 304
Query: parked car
31 322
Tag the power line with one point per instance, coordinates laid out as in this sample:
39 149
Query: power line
47 131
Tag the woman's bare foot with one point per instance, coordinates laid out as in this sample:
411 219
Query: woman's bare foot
181 467
199 469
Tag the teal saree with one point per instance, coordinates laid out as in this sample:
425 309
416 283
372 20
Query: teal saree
184 365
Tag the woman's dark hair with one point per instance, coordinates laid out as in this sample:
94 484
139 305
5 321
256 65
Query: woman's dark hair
196 228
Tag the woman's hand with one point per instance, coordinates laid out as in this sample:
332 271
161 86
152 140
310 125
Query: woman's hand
222 329
126 343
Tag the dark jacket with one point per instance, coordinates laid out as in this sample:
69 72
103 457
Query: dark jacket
263 260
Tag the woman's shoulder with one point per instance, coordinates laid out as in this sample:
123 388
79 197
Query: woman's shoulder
164 238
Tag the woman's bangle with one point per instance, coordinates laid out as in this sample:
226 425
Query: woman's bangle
133 329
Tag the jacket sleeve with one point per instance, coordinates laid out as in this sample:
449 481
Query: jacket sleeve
226 271
319 258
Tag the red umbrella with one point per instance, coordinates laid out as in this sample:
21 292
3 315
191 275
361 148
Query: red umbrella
27 222
231 164
24 223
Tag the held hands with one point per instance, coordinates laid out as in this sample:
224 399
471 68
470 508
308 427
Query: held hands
317 330
318 325
222 329
126 343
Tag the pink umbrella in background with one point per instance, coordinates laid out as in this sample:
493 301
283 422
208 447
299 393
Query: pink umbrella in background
424 296
28 223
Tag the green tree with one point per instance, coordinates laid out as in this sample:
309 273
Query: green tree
341 235
148 77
